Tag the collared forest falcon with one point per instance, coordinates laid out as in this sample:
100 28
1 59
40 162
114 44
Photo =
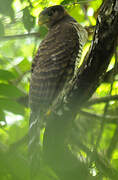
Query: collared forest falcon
54 63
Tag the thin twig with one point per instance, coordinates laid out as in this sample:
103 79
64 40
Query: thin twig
30 4
78 3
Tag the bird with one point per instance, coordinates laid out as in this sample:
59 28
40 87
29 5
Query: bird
53 66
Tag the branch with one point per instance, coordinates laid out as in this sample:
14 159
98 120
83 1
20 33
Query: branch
98 58
24 100
101 100
109 75
108 119
96 62
19 36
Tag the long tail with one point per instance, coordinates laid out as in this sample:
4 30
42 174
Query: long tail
34 144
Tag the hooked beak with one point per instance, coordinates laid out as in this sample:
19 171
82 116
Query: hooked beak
43 19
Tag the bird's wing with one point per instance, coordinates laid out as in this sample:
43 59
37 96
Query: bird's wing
54 63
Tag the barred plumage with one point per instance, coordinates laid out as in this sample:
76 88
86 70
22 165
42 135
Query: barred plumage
54 64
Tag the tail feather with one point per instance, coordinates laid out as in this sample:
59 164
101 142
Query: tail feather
34 144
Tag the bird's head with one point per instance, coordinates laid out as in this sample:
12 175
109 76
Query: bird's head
51 15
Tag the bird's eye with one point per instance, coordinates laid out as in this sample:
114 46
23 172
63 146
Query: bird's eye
50 13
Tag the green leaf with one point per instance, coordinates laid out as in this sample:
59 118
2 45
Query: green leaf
2 115
1 29
10 91
6 75
28 19
6 8
11 106
24 65
66 2
115 163
17 131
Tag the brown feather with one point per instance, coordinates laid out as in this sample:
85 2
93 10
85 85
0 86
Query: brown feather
54 61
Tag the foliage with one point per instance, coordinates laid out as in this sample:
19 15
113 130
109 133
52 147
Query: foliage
95 129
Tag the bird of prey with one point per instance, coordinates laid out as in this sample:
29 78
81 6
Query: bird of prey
53 66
